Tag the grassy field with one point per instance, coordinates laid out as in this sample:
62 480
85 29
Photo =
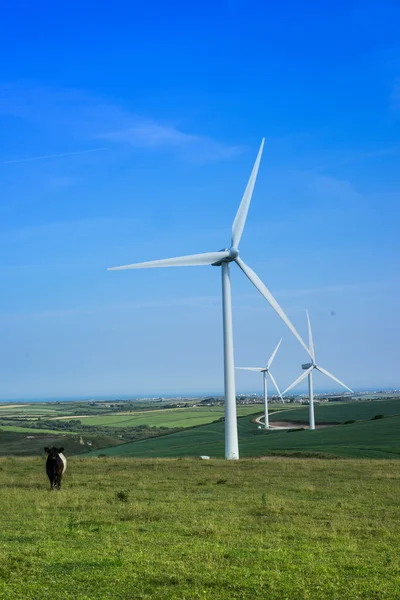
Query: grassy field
28 430
189 530
35 409
333 412
16 443
175 417
370 439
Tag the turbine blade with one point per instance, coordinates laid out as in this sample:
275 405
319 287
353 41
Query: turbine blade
302 376
181 261
264 291
240 219
310 339
251 368
275 384
273 354
325 372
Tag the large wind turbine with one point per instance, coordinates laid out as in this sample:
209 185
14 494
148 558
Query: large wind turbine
265 371
222 259
309 367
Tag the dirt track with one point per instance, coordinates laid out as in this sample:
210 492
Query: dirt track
290 424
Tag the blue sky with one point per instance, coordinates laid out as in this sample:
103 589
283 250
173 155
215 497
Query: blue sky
153 116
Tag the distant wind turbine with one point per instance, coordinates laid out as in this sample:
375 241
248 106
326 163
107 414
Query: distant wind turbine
309 367
222 259
266 371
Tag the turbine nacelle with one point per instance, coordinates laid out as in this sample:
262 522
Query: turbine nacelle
307 366
233 254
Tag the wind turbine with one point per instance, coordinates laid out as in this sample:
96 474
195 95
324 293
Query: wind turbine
222 258
265 371
308 368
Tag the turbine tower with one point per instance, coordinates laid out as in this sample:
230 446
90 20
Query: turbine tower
266 371
308 368
222 259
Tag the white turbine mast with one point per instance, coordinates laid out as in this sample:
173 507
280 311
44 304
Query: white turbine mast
222 258
308 368
266 371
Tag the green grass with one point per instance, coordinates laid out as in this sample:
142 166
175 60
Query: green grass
189 530
176 417
333 412
370 439
16 443
29 430
33 409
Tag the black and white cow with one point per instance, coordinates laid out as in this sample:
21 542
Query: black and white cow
56 465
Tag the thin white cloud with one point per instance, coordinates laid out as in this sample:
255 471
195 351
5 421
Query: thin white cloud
85 117
242 301
46 156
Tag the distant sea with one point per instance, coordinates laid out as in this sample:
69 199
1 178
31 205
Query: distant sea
126 397
108 398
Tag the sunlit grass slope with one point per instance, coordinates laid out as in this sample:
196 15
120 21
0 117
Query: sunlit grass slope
188 529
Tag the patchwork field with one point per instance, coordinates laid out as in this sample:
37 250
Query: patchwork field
26 434
189 529
175 417
150 433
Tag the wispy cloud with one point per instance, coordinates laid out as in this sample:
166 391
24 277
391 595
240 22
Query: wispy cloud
85 117
242 301
46 156
149 134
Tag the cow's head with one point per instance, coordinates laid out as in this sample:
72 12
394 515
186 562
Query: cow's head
53 452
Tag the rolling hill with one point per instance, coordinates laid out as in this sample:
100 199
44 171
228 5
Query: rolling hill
370 439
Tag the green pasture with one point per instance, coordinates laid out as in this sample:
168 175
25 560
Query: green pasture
277 529
29 430
25 443
370 439
332 412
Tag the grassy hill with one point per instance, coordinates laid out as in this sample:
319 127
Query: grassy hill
189 529
333 412
373 439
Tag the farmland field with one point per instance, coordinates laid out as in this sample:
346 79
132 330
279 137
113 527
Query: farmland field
115 431
189 529
339 412
379 438
25 443
175 417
